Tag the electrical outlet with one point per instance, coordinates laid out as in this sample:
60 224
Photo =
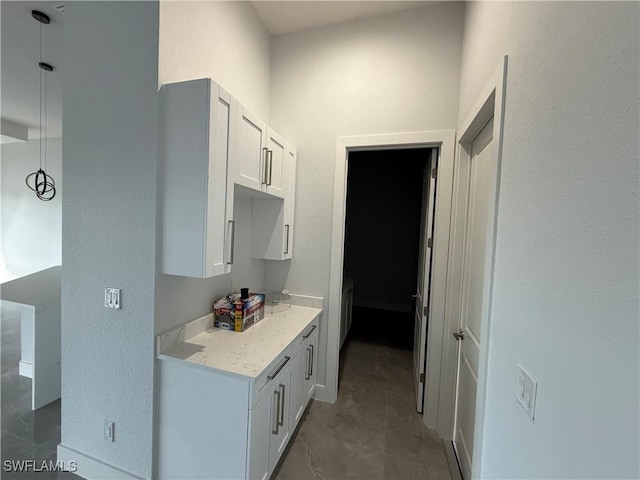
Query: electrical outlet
112 298
109 431
526 389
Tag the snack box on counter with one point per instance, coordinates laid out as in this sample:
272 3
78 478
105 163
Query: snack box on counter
234 313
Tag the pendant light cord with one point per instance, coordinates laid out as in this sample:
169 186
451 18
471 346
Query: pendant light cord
45 119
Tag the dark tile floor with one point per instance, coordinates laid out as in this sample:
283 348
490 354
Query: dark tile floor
26 434
373 430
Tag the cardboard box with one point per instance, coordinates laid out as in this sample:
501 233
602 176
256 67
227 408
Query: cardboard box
237 314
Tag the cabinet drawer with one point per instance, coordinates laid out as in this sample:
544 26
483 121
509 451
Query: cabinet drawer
299 341
260 386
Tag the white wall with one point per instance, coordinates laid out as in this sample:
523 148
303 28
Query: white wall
180 299
565 298
393 73
31 229
108 231
224 40
227 42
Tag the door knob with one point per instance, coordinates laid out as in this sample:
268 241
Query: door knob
459 335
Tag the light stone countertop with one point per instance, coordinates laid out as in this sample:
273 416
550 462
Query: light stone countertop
242 354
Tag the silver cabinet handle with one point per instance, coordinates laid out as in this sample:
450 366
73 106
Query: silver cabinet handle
309 332
277 405
265 150
270 157
281 387
232 227
307 374
272 375
311 363
286 228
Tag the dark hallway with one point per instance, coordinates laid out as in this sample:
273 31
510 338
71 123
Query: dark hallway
382 241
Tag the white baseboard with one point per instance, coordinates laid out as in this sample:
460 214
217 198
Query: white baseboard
91 468
25 369
322 394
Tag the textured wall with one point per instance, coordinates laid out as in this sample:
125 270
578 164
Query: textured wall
31 229
222 40
227 42
394 73
565 299
108 229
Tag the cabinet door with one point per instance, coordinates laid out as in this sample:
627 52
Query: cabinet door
289 179
275 181
250 152
299 368
311 351
280 395
259 433
196 124
220 199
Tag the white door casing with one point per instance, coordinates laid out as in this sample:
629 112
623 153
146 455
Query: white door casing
444 140
424 277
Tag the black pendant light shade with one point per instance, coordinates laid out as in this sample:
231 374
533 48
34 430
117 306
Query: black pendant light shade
41 17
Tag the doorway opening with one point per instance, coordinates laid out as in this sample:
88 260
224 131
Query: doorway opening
390 199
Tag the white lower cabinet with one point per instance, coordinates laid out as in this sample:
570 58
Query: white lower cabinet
269 423
280 425
303 376
259 418
310 352
212 425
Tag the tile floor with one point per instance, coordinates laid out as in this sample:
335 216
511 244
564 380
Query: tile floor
372 431
26 435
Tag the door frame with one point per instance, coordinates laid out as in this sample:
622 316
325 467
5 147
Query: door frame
490 103
445 141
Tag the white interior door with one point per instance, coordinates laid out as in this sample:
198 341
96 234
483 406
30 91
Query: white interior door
424 277
477 243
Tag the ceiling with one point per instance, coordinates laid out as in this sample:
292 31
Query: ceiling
284 17
20 95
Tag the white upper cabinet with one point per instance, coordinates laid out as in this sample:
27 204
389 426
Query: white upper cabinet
197 131
209 143
289 179
272 221
275 181
258 156
249 152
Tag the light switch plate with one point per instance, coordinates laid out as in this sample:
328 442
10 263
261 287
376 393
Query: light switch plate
112 298
526 389
109 431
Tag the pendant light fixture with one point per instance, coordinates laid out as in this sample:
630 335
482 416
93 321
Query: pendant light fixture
41 182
